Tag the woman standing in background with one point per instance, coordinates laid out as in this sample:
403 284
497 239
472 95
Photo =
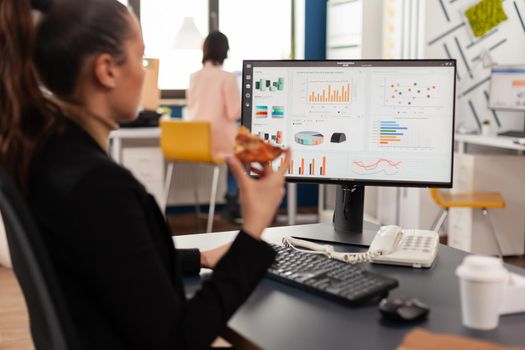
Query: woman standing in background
213 95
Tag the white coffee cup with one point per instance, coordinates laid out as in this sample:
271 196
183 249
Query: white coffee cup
481 281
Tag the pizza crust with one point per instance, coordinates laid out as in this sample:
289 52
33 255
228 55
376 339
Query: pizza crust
251 148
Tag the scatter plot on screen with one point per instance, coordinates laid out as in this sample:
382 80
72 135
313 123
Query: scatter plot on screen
411 93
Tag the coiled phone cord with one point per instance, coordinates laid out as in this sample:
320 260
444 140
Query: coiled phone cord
328 251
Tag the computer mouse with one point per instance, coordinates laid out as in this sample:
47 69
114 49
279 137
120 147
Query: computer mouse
403 309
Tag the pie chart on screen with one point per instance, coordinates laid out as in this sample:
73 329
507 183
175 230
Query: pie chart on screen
309 138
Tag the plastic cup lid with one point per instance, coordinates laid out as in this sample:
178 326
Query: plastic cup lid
481 268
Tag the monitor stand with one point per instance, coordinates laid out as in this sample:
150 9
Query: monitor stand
520 134
348 220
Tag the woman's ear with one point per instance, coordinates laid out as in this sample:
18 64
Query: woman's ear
105 71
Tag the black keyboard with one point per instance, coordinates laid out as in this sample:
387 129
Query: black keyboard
333 279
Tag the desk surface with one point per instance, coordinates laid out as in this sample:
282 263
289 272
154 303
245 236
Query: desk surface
490 141
136 133
281 317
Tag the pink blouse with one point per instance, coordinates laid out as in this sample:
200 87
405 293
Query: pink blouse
214 95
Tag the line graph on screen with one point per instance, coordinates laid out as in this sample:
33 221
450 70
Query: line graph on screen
377 166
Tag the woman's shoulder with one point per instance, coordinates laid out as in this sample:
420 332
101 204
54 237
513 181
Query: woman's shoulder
210 69
69 158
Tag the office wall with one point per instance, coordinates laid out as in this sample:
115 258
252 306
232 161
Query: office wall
354 29
299 28
344 29
447 36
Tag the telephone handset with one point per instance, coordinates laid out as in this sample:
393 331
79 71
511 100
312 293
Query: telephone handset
386 239
392 245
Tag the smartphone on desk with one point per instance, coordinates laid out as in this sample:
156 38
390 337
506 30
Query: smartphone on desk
409 247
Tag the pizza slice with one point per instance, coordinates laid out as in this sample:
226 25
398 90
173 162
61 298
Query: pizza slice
250 148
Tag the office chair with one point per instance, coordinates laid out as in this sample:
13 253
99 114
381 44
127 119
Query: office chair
190 142
50 321
481 200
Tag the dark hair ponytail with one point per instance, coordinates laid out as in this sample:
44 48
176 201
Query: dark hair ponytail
25 114
68 33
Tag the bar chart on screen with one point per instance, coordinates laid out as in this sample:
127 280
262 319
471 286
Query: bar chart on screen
278 112
307 167
390 132
408 133
261 112
314 166
317 164
329 92
272 137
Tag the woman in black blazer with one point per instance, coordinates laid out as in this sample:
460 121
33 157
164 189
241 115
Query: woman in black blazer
108 240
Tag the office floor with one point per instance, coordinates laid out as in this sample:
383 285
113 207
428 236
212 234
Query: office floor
182 224
14 328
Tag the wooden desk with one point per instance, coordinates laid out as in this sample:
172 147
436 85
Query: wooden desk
14 323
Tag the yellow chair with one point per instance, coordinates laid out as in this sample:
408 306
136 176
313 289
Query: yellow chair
481 200
190 142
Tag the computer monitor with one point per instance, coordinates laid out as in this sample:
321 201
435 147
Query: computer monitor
355 123
507 92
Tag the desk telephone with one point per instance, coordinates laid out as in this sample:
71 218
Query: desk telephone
392 245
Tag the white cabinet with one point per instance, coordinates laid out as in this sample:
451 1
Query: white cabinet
468 228
146 164
185 175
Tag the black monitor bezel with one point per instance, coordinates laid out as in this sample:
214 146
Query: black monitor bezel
362 63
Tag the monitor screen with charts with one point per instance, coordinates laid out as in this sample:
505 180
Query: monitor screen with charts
380 122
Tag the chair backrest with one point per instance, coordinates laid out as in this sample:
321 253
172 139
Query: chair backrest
51 325
186 140
436 196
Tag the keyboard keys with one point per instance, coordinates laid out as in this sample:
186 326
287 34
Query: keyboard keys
329 278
